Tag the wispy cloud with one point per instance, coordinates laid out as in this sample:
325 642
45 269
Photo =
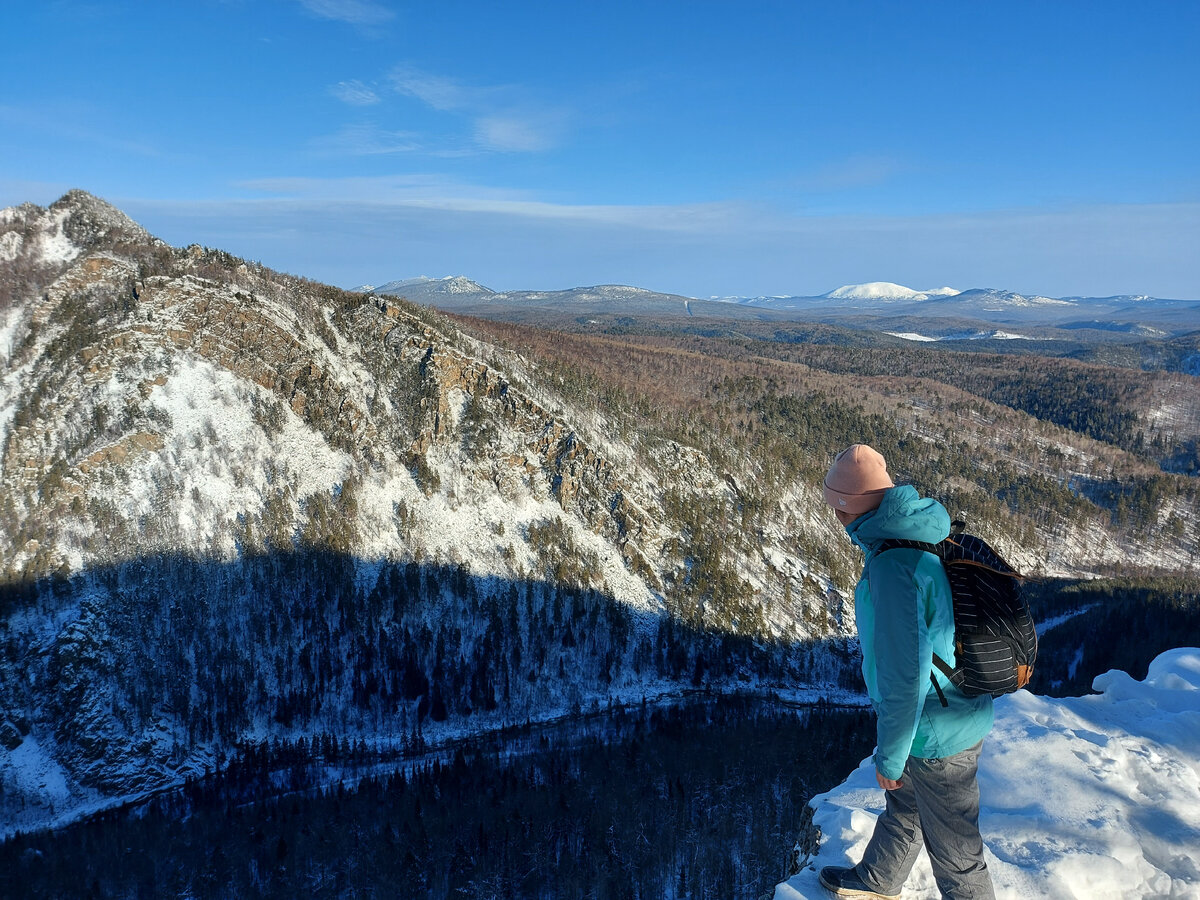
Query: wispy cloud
353 12
501 118
432 191
512 132
435 90
491 118
354 93
365 140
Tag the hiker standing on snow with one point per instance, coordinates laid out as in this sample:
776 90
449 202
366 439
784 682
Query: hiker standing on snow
927 753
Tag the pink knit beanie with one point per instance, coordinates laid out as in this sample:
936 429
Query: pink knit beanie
857 480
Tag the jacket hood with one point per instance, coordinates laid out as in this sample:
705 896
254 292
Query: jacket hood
904 515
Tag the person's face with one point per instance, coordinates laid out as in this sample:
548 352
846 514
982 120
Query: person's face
844 517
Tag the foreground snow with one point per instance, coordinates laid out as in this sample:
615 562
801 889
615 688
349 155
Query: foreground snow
1090 797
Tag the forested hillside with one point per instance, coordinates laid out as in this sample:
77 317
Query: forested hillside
1000 437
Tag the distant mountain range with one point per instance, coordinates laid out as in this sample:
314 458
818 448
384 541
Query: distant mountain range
1137 315
457 291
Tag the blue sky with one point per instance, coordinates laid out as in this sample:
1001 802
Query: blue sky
695 147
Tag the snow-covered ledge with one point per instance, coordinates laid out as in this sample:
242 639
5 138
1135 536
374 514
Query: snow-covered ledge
1095 796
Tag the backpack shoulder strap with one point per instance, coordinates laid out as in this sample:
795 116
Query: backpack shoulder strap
896 543
939 551
968 549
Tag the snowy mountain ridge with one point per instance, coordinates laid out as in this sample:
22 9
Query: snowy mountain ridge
453 292
421 285
1010 298
1132 314
869 292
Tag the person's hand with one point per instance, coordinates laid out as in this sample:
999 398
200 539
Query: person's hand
886 783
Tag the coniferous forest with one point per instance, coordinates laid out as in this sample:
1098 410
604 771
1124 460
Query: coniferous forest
308 643
705 800
1119 623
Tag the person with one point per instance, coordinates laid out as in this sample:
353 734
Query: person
927 754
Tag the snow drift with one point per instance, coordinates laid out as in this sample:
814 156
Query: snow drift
1090 797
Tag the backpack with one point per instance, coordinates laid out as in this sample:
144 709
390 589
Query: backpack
995 642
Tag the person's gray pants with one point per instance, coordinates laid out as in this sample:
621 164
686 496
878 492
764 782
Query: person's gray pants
938 805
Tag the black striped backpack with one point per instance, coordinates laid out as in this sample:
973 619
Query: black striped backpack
995 642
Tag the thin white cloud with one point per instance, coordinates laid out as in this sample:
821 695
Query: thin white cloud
354 93
434 90
500 118
387 189
435 192
365 140
514 133
353 12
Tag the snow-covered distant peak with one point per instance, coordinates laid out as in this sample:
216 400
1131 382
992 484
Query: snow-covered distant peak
885 290
872 290
457 284
618 289
424 285
999 299
1093 796
615 294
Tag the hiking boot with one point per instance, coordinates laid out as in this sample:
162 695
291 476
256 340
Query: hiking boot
842 882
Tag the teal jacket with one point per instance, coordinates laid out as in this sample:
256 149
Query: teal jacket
904 615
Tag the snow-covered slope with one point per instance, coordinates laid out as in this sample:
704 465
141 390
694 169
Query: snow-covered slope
989 298
968 336
423 287
885 290
1092 797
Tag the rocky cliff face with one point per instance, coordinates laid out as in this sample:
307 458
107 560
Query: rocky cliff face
183 401
172 419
